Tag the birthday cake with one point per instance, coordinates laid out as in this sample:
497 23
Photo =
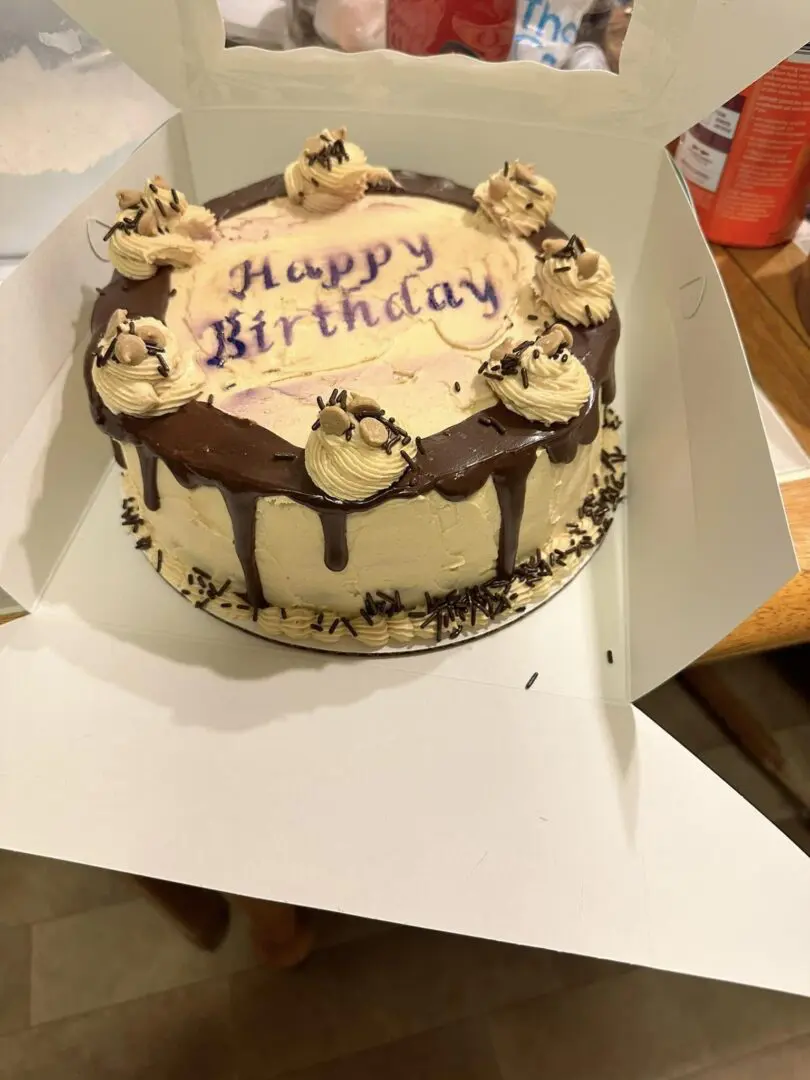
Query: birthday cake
359 405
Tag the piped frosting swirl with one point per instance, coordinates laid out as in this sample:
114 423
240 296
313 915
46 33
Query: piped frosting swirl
576 282
157 227
516 199
138 369
331 172
354 451
541 380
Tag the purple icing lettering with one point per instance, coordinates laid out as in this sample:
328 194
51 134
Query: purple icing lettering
433 303
224 339
338 268
287 325
449 297
295 276
258 328
405 292
424 251
322 313
376 257
394 314
313 272
249 274
351 309
487 295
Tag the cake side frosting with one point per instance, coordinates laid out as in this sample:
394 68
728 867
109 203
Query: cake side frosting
392 617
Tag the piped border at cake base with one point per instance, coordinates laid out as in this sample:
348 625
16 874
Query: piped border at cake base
383 626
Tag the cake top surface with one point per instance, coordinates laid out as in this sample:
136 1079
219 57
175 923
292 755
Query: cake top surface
306 336
399 298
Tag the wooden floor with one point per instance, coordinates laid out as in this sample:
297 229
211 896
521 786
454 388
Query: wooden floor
95 985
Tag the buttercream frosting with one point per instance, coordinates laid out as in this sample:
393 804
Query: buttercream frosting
331 172
516 199
139 370
547 573
157 227
575 281
353 451
541 380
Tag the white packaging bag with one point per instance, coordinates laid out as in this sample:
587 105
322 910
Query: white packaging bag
546 30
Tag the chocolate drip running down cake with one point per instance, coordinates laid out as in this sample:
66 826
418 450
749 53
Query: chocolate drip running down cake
350 403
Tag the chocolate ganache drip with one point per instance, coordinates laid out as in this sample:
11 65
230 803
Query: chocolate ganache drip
148 459
203 446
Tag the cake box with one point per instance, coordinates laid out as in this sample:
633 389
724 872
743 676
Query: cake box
432 789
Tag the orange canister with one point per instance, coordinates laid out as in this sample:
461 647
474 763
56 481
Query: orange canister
748 164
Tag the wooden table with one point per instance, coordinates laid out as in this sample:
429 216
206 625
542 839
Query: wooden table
760 287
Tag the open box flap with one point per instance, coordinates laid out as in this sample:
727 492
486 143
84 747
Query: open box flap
701 519
571 825
671 74
51 456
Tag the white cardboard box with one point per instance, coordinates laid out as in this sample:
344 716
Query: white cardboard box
431 788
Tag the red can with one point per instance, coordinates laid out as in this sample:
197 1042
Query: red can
480 28
748 164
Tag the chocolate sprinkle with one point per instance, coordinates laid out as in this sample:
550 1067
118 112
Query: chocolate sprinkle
610 656
532 680
457 386
283 457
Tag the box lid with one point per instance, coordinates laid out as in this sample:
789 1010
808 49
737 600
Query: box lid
676 66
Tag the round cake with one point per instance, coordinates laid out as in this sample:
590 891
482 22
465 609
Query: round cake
356 404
